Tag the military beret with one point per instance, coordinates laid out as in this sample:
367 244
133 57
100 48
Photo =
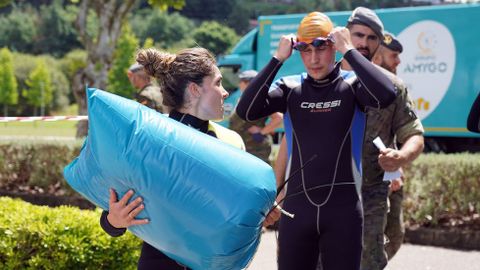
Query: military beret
367 17
391 42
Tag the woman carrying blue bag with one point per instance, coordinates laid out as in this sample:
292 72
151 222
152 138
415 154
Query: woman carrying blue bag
191 85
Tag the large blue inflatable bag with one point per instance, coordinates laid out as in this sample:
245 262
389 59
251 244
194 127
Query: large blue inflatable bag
205 199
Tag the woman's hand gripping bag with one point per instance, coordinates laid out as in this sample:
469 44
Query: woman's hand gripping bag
205 199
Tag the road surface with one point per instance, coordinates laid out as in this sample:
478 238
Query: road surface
409 257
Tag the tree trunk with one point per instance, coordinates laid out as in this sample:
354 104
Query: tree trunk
100 50
79 83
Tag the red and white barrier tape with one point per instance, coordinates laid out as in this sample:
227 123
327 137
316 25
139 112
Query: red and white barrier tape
43 118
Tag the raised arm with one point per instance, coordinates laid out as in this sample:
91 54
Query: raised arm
374 89
256 102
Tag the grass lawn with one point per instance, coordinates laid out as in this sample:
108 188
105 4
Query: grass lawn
39 129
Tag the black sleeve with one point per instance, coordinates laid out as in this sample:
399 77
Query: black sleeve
374 89
255 102
473 121
108 228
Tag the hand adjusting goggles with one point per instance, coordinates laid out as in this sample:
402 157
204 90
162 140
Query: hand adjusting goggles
317 42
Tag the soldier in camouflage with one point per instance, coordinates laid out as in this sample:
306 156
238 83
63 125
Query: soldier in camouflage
388 57
256 134
396 122
148 94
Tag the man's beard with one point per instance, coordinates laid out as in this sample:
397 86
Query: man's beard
392 70
365 49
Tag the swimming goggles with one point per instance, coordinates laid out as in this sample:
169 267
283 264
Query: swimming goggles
317 42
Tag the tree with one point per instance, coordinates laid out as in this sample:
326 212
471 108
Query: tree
208 9
111 15
60 89
118 82
149 43
46 29
60 84
56 34
40 91
215 37
239 19
60 77
18 30
8 83
72 63
166 29
4 3
23 64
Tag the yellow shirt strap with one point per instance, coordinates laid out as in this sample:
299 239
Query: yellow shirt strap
227 135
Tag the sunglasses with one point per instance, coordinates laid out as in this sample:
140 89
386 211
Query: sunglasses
317 42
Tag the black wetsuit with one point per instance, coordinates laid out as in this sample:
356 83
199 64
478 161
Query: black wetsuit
324 120
473 121
150 257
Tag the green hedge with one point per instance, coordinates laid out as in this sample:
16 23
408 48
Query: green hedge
39 237
443 188
36 166
439 187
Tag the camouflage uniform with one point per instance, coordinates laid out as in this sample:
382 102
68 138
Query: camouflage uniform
395 230
398 121
259 149
151 97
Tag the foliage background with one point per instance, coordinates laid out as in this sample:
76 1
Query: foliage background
45 29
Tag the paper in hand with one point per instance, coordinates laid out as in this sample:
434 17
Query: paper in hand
388 176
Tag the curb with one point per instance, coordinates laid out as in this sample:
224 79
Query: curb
449 238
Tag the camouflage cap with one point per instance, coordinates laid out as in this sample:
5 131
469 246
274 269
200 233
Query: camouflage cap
247 74
135 67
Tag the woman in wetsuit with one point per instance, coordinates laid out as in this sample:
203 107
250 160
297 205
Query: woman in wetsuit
191 85
323 119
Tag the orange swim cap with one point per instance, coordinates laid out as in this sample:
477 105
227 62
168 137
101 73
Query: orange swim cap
314 25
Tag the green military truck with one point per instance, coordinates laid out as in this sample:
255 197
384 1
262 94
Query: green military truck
440 63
